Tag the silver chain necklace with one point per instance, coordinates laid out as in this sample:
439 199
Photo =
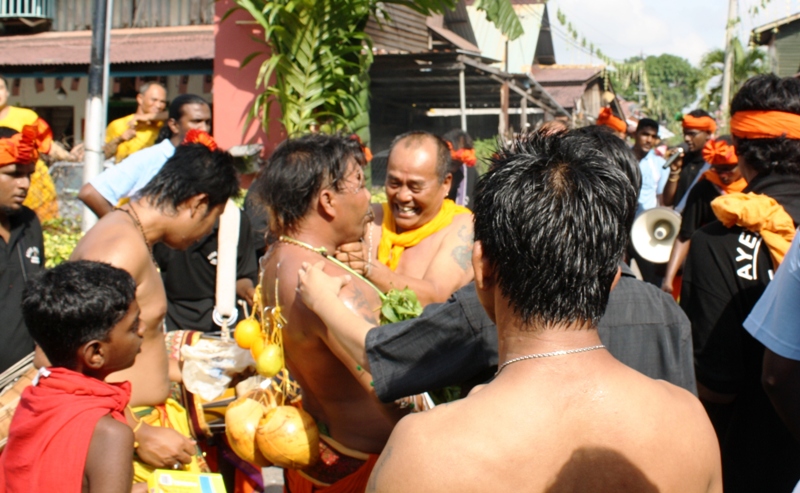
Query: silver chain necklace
548 355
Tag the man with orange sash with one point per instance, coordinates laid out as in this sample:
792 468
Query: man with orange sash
419 239
698 128
729 265
612 121
724 177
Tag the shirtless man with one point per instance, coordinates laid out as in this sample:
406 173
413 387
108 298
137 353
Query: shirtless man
421 240
562 413
178 206
313 188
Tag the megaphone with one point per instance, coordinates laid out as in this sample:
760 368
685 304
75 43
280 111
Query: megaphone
654 232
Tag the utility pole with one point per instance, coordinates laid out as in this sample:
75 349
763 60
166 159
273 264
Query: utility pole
728 70
97 99
502 127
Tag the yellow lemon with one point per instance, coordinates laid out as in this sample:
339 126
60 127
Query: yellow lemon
270 361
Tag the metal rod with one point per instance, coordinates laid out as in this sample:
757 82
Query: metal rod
96 99
462 94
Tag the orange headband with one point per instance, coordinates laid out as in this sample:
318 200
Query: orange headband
719 152
607 118
364 149
765 125
195 136
20 148
704 123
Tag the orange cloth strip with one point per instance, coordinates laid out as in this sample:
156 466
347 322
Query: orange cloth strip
704 123
765 125
717 152
761 214
393 244
734 187
20 148
607 118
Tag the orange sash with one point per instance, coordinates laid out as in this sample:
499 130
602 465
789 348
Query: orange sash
761 214
704 123
734 187
607 118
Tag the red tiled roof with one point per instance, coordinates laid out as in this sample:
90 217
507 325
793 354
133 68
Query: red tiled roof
157 44
545 74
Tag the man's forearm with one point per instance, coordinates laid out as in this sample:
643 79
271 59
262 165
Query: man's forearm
781 380
110 147
668 195
676 258
94 201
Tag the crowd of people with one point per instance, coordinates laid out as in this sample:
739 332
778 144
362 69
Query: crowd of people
579 364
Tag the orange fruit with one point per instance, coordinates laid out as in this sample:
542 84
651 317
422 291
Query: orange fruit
257 347
247 331
270 361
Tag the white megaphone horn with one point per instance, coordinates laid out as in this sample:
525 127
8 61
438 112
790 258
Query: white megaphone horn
654 232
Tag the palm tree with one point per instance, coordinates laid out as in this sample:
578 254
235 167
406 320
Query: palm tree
746 63
320 57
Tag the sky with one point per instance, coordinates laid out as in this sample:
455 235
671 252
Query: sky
626 28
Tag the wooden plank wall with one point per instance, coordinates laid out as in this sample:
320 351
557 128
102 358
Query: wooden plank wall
405 32
76 15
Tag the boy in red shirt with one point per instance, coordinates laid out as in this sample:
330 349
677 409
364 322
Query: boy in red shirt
69 431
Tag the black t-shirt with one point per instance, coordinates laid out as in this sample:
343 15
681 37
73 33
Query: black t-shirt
20 258
691 166
698 211
726 272
190 278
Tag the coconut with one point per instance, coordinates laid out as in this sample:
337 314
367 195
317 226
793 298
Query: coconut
241 422
288 437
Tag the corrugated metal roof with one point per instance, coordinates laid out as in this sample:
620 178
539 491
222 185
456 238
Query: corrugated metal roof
435 24
161 44
566 95
404 32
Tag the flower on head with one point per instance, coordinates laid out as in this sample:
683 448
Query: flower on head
195 136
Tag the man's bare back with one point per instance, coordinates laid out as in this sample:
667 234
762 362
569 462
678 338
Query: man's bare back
570 423
117 240
335 392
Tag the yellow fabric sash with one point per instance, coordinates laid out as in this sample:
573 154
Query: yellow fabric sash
171 415
393 244
761 214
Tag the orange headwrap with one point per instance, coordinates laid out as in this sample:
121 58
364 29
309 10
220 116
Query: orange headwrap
704 123
464 155
20 148
364 149
607 118
195 136
765 125
719 152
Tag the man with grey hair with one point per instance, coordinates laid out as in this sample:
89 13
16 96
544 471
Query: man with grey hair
131 133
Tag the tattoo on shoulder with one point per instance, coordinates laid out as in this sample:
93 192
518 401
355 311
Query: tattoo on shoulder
361 305
373 479
462 254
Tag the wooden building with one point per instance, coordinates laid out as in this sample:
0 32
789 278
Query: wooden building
782 39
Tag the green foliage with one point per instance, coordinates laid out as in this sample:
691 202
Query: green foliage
320 58
399 305
60 237
747 62
484 149
669 80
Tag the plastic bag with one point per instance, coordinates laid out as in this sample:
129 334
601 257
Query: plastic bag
209 364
